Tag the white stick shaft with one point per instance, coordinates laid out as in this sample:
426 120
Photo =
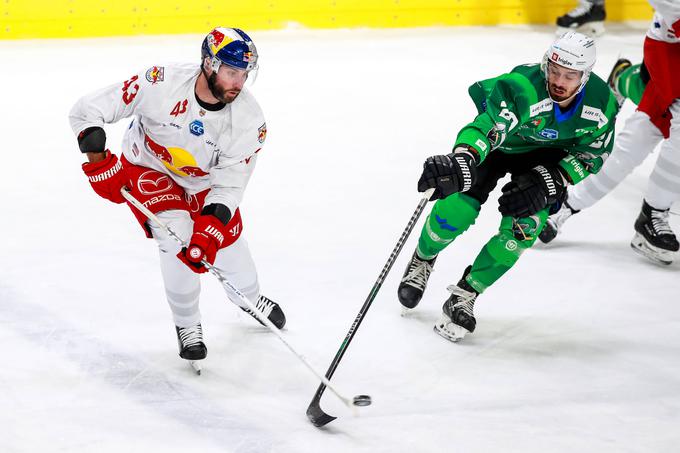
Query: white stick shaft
234 292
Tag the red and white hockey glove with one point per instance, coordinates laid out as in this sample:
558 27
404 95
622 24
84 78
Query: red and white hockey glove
207 238
107 177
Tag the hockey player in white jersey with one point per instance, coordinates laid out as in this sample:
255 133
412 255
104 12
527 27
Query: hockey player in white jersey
656 120
187 156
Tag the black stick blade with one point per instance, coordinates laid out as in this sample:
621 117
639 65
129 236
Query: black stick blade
317 416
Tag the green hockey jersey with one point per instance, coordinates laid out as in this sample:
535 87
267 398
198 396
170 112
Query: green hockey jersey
516 115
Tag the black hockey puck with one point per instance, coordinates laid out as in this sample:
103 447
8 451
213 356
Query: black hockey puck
361 400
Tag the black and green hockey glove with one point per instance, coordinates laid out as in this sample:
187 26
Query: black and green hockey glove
528 193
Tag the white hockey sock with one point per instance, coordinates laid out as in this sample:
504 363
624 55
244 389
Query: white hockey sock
237 266
664 183
182 285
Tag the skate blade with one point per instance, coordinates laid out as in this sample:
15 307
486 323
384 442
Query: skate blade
405 312
655 254
450 331
196 365
592 29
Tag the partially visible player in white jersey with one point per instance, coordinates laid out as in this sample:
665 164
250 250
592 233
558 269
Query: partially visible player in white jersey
187 156
656 120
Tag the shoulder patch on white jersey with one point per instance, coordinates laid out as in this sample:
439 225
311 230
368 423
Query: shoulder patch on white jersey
155 74
262 133
546 105
594 114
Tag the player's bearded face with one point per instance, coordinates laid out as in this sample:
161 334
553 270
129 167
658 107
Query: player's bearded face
562 82
228 83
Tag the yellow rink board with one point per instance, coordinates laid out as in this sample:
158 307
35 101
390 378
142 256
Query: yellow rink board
22 19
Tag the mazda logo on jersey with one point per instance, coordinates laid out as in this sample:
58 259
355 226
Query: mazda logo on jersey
196 128
152 183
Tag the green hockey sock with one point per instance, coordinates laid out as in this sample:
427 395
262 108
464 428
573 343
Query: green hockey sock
505 248
448 219
630 84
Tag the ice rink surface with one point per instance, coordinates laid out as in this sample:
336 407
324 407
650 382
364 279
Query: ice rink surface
577 348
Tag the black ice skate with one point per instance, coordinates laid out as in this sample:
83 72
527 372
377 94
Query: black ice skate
555 222
270 309
585 18
191 346
458 318
414 281
654 237
613 80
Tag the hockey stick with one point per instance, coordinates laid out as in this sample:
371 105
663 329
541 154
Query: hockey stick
231 289
314 412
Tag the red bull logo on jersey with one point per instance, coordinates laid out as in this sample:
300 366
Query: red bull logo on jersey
155 74
179 161
192 171
161 152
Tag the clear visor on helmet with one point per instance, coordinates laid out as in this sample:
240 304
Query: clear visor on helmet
555 72
246 67
235 74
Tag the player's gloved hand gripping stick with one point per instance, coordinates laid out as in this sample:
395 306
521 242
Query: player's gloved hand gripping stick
236 294
107 177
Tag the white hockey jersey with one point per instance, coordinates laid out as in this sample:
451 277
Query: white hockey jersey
172 133
667 13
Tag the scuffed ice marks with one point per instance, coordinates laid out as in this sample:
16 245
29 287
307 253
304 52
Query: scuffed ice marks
134 378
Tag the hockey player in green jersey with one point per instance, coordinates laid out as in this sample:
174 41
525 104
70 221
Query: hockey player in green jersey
548 125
